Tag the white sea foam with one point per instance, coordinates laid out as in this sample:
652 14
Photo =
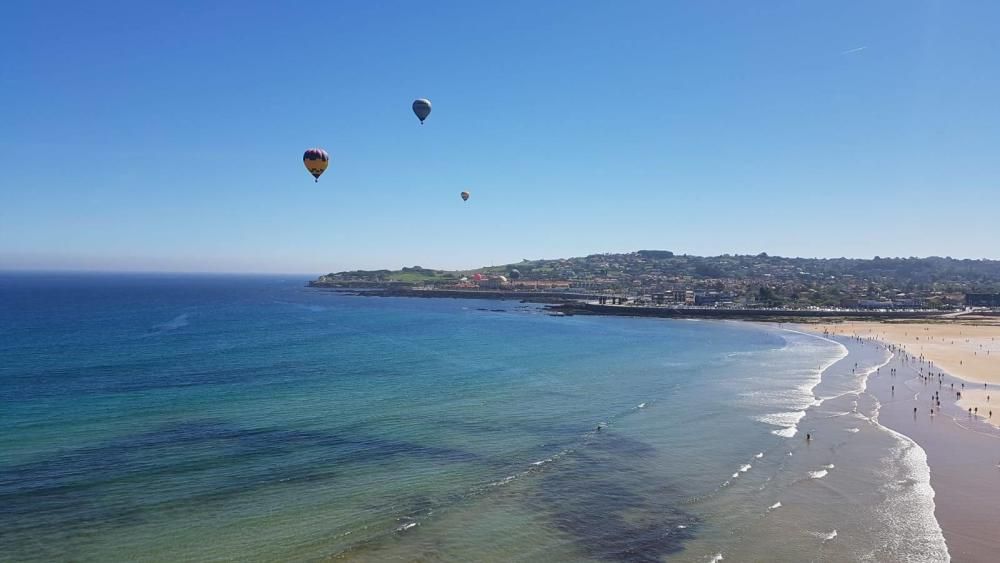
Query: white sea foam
818 474
782 418
735 475
406 526
503 481
829 466
681 526
911 508
842 353
852 430
745 467
641 406
825 536
775 505
718 557
789 396
786 433
788 421
759 455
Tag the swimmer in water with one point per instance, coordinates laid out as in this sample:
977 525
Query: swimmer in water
808 437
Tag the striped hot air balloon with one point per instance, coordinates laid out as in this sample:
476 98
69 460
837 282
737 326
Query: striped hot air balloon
316 161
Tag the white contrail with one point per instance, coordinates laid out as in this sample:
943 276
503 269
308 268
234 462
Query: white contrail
854 50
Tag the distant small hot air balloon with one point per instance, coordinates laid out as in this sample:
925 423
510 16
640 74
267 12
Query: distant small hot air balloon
316 161
422 107
465 196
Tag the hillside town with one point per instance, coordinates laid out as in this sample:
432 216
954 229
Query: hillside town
660 277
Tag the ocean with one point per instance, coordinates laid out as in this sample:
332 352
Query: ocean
180 417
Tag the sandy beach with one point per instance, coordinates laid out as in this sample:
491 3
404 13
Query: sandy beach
970 352
962 447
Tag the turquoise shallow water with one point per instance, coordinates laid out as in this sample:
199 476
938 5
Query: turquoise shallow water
250 418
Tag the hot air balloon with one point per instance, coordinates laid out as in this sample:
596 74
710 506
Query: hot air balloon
515 274
465 196
316 161
477 277
422 108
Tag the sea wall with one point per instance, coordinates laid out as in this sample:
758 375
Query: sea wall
534 296
726 313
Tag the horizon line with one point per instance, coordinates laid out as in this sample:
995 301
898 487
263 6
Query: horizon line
57 270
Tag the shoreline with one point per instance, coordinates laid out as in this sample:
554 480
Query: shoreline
961 449
863 485
968 352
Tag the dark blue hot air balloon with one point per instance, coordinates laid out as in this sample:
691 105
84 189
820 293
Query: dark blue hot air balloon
422 108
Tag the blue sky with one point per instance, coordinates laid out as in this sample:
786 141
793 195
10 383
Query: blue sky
169 135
